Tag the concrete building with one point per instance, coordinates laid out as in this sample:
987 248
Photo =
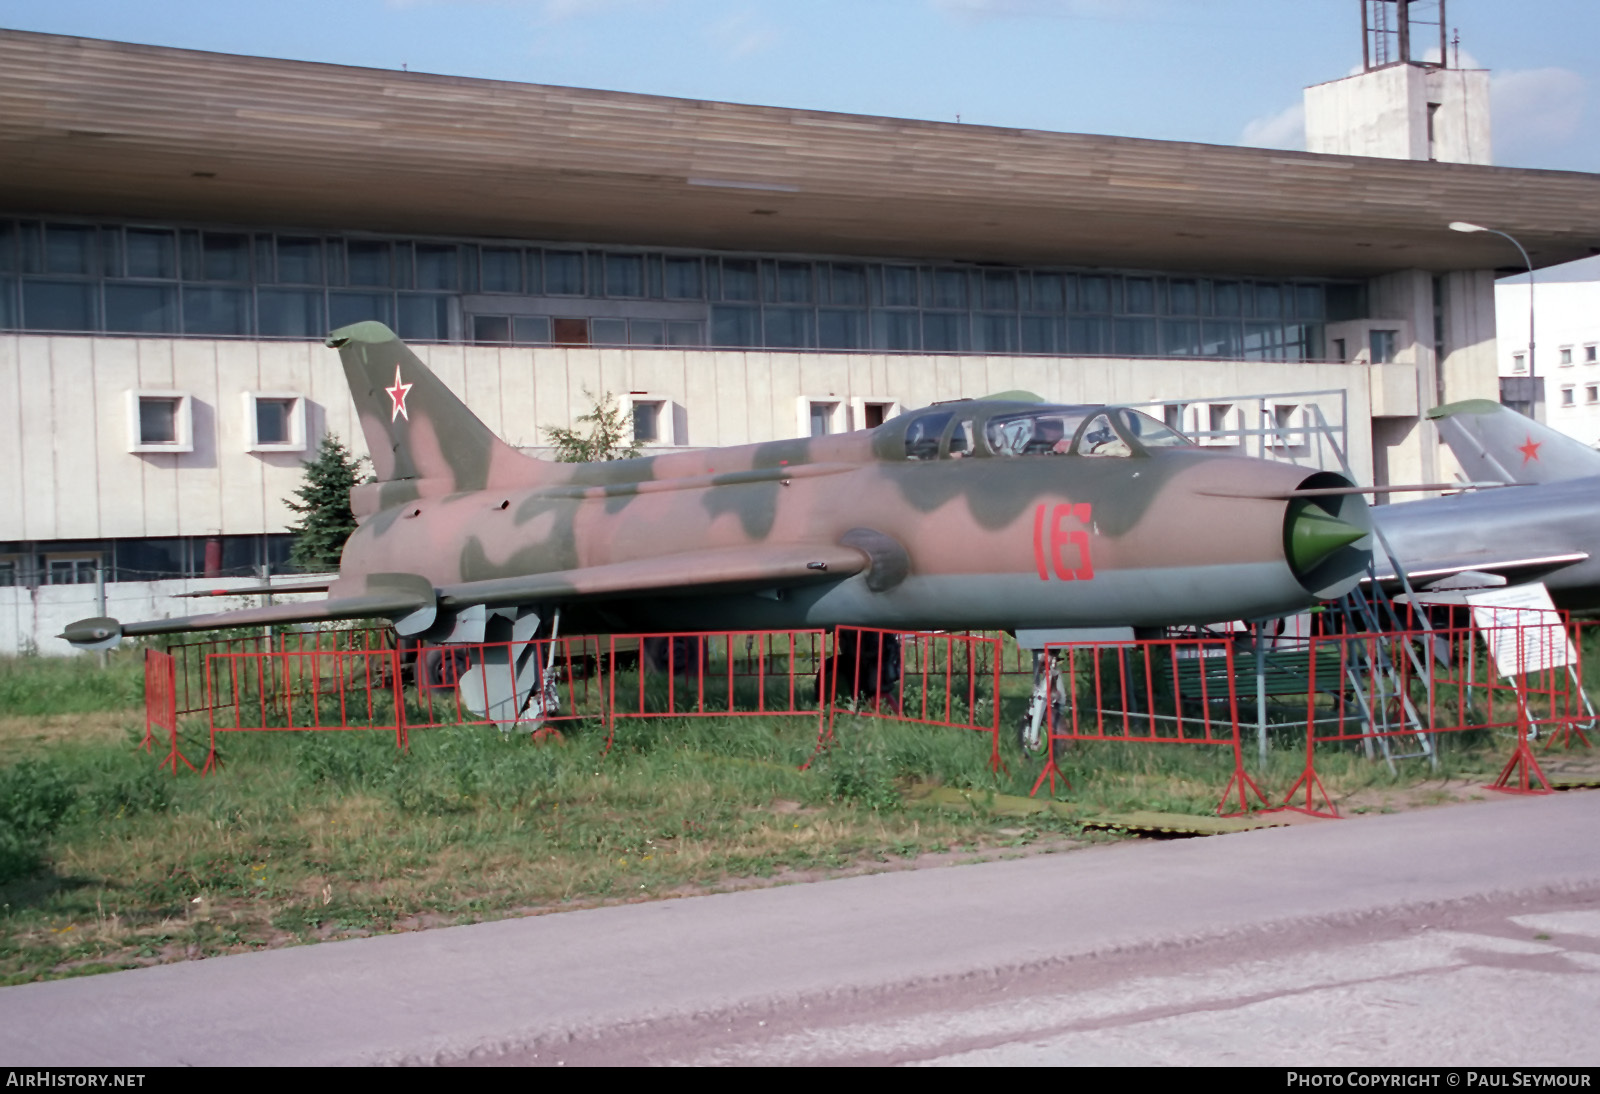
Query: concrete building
1565 362
178 230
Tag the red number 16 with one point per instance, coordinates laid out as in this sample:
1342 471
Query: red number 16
1051 555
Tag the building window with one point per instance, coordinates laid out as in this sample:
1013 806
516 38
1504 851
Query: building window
163 280
1567 398
1591 394
71 569
1383 344
10 572
275 421
1589 354
160 421
1519 362
818 417
646 422
1566 355
871 413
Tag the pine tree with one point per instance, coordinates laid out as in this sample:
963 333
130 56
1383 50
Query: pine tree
609 428
324 507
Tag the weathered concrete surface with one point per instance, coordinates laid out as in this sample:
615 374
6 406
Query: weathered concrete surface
518 987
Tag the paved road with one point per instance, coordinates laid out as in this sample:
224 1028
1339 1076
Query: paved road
1407 938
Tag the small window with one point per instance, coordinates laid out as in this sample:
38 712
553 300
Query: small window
530 330
608 332
822 418
1566 355
1519 362
159 421
1588 355
1383 344
871 413
491 329
1591 394
652 418
71 569
275 421
1567 397
646 422
10 572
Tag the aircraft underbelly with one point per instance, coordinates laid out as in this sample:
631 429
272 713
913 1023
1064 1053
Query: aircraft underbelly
1141 598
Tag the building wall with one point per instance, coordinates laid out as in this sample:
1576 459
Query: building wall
68 429
1386 112
1567 332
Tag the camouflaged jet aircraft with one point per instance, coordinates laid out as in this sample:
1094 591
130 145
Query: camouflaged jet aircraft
999 513
993 513
1548 528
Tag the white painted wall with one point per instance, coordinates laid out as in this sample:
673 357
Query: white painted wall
31 618
1385 113
66 472
1567 318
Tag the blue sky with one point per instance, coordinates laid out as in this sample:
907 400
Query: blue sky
1216 71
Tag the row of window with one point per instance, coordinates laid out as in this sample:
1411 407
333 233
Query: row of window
1591 395
161 280
163 421
79 562
120 252
1591 355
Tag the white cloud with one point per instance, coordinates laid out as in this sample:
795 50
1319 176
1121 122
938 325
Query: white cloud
1285 129
1536 111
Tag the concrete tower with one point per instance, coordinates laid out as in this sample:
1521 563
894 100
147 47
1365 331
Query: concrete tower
1408 102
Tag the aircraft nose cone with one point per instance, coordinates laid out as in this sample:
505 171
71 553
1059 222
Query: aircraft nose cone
1315 534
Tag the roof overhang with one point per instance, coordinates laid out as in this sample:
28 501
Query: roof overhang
96 128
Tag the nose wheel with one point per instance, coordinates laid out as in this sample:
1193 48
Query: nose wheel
1047 705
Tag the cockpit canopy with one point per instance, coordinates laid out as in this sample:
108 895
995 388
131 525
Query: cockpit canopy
973 429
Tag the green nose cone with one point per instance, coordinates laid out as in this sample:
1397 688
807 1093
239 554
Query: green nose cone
1314 535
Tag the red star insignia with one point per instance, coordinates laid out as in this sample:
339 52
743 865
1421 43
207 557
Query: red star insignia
1530 450
397 395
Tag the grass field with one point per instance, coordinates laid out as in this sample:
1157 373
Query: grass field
108 862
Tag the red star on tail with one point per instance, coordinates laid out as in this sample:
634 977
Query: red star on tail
1530 450
397 395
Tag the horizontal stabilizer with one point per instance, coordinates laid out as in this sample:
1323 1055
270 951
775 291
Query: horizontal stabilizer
376 602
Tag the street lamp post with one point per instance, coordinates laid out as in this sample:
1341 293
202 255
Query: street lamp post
1533 368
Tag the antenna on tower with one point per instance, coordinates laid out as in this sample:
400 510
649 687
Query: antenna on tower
1386 37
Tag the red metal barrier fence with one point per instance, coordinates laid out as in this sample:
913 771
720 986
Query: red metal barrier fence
1523 678
1151 691
1375 688
160 706
718 674
928 679
190 657
492 683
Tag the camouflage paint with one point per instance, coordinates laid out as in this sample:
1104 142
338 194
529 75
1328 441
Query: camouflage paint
836 529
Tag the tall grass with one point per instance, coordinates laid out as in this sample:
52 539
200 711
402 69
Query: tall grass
71 685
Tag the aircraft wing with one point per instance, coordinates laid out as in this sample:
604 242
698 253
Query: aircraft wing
410 596
1514 570
685 574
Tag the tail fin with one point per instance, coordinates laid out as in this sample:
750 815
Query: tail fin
1494 443
415 426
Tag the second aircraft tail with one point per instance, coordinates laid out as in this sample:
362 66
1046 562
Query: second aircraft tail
1494 443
